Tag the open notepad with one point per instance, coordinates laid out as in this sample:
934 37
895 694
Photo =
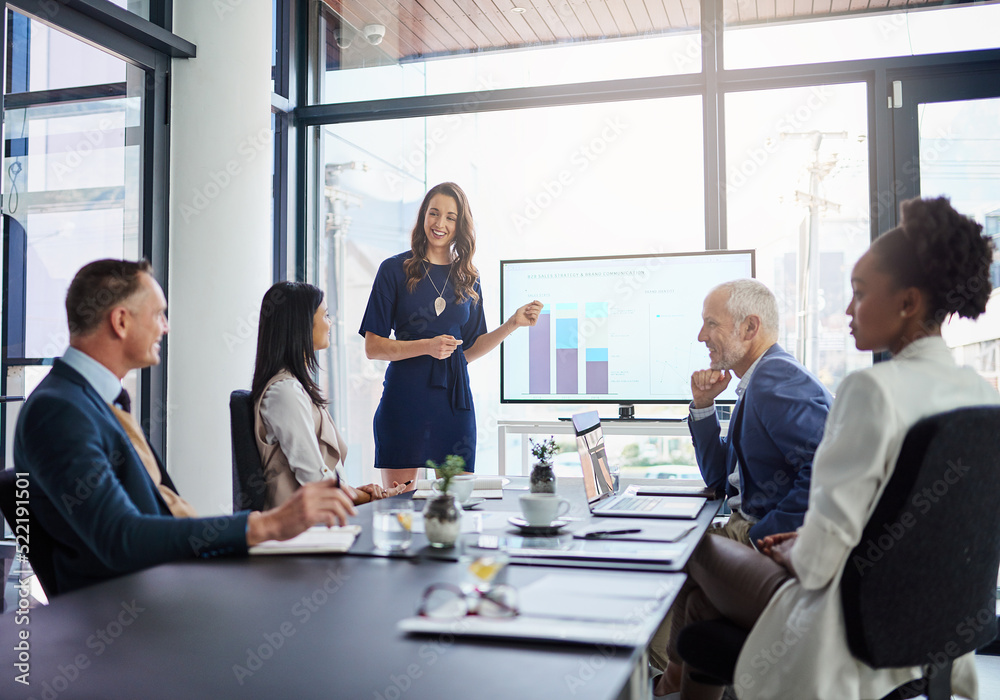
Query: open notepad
486 487
317 539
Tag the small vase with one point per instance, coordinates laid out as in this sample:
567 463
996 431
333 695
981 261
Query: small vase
543 479
442 521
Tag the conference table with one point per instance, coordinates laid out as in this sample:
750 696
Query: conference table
303 626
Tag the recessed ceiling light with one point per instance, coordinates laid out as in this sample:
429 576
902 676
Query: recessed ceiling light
518 10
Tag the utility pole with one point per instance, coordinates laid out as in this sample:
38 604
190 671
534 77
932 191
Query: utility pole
336 226
807 314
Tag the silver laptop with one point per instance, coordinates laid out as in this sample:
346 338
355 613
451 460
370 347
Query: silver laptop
601 496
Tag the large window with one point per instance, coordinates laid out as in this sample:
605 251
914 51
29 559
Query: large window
72 184
797 193
368 53
576 180
84 174
727 127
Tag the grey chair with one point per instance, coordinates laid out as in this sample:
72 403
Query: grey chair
249 484
929 596
41 543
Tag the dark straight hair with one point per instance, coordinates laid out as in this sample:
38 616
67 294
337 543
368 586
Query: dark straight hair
285 337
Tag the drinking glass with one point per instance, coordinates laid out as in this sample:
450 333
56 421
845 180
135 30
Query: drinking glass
392 525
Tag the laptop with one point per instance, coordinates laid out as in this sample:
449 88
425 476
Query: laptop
601 496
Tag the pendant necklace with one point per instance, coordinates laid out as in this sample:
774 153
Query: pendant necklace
439 303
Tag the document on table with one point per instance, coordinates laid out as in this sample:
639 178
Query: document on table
575 608
486 487
644 530
315 540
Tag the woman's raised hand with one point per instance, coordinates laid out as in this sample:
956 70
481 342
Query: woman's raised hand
528 314
442 346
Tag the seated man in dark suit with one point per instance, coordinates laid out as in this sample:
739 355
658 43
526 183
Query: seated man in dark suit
95 485
764 463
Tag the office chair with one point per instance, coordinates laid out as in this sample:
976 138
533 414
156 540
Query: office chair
41 544
931 596
249 484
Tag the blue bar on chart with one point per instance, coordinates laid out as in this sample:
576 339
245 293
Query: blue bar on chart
596 337
540 354
567 349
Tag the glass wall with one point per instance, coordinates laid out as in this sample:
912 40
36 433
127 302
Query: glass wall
71 186
555 182
369 55
912 32
794 164
797 192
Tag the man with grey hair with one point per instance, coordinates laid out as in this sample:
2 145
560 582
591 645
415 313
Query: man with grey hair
764 463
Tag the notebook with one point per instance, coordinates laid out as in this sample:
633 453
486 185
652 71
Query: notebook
317 539
486 487
601 496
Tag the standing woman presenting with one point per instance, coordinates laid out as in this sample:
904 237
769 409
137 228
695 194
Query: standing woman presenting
430 297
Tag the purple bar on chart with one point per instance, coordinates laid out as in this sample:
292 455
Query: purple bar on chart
597 377
539 355
566 370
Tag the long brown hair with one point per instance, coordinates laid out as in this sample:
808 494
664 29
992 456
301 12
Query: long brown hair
464 273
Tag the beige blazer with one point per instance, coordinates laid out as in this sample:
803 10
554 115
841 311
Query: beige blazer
281 481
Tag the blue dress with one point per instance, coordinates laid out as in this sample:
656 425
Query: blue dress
426 410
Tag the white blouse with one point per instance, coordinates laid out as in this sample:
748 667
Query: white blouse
798 648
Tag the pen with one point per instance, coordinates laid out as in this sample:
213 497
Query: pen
407 483
606 533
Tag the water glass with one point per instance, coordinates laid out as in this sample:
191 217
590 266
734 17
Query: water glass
392 525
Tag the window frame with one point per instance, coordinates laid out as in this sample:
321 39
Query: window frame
149 46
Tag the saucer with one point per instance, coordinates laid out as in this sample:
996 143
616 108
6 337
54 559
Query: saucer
552 528
472 503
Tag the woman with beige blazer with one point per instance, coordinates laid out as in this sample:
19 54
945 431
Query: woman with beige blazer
296 437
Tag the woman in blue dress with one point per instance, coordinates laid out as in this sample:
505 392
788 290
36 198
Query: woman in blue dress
430 298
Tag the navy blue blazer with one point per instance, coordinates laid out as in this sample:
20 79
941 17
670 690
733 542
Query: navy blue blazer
90 491
774 431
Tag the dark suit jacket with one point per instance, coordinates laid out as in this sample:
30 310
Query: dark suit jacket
776 427
90 492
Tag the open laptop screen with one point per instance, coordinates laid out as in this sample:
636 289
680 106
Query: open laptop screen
593 458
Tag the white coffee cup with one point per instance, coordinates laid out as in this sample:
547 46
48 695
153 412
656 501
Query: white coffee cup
540 509
461 487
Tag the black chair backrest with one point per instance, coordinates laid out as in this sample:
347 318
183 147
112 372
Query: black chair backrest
40 543
249 484
920 587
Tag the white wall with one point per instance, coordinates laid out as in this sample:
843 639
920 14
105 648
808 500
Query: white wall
220 234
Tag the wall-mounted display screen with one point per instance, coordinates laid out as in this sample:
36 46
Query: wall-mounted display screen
621 329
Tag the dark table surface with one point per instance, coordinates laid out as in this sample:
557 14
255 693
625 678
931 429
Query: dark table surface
293 627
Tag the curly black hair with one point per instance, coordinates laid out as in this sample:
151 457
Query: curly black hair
942 253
